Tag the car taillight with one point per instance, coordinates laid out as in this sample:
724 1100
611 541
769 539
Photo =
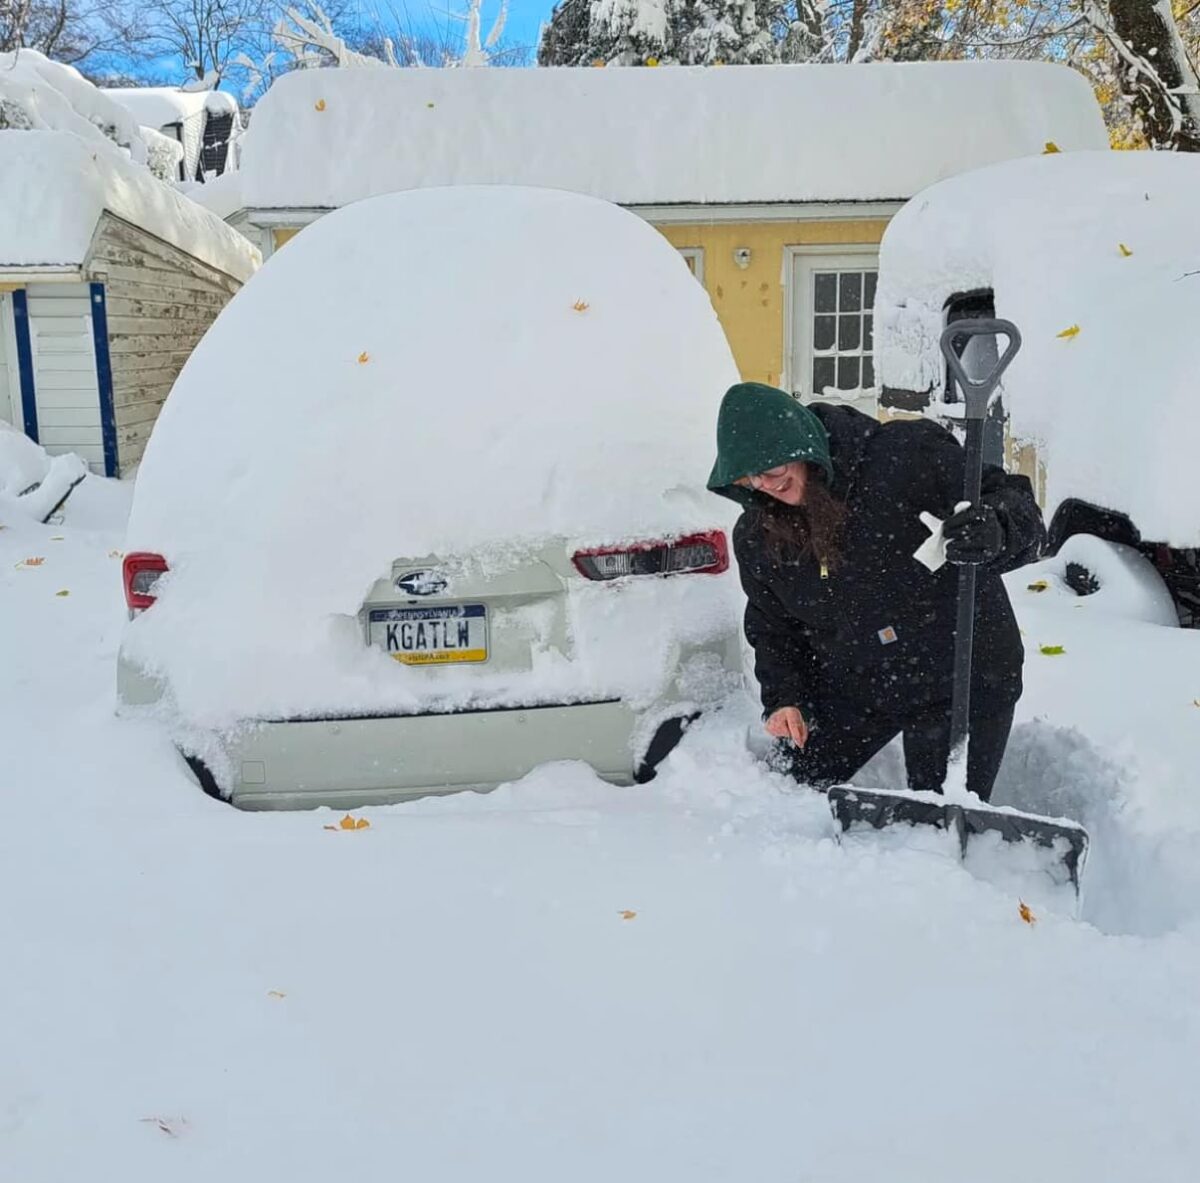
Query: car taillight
141 571
697 554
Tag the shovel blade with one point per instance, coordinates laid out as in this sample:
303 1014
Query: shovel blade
878 808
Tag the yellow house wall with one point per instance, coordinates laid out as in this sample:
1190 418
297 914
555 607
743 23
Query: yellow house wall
750 302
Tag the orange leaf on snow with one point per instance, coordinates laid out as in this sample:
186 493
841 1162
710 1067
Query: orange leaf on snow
353 823
581 305
35 561
319 104
627 915
1026 913
363 358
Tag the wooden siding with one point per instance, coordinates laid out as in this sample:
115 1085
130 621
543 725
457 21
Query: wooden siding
64 369
160 302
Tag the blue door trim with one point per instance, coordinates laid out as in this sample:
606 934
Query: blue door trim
29 414
108 418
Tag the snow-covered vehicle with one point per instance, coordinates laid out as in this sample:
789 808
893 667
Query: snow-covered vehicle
426 508
1096 257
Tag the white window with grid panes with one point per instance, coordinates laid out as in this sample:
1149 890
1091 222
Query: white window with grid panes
832 332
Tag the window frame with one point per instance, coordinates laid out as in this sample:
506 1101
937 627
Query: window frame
799 264
696 255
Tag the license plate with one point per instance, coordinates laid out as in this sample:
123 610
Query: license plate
432 636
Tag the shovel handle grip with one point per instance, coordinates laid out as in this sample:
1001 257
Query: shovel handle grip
977 391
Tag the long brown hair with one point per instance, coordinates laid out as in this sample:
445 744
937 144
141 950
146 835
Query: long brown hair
812 530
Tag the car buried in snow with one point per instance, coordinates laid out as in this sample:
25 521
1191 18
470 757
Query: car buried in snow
1095 256
426 508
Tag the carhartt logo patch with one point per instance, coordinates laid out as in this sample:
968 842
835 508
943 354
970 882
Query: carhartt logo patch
887 636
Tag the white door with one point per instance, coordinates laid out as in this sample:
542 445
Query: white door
10 383
831 339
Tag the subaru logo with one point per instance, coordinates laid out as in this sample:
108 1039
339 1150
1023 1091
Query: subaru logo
422 583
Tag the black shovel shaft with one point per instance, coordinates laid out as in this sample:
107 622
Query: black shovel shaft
975 392
964 632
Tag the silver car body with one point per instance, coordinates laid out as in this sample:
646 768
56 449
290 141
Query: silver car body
345 758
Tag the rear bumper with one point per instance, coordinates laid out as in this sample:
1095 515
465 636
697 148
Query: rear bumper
350 762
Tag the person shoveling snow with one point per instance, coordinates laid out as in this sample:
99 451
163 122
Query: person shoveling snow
31 482
853 623
852 637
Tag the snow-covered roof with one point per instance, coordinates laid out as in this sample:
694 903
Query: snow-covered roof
157 106
744 134
1095 256
55 185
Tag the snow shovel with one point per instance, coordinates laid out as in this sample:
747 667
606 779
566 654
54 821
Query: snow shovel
957 809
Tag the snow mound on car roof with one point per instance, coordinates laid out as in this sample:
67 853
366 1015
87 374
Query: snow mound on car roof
427 373
1096 258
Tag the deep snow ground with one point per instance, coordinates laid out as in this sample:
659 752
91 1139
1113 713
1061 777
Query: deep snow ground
456 993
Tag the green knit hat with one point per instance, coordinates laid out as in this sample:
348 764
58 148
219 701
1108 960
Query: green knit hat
760 427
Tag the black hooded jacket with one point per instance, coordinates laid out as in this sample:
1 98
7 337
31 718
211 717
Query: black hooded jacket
877 629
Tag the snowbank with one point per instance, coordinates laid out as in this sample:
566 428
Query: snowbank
324 138
55 185
31 482
430 373
1089 254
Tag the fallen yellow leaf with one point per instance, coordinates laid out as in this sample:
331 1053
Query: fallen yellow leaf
363 358
1026 913
319 104
627 915
581 305
64 592
35 561
353 823
1068 334
1051 650
1038 585
652 61
1050 148
1125 251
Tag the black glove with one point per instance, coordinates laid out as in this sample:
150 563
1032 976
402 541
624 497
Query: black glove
974 536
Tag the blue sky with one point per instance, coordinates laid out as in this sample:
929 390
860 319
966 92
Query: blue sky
525 17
